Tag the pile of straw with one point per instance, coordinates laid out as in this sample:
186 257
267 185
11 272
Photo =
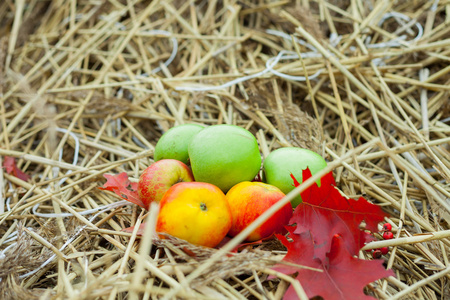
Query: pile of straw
88 87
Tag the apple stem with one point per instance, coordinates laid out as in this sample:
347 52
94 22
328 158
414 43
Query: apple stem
203 207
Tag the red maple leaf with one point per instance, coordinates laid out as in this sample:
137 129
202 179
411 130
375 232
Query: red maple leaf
9 163
343 276
121 185
325 213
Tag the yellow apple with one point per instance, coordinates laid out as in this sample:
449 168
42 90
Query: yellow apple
197 212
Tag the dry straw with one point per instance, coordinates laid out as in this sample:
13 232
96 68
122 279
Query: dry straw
88 87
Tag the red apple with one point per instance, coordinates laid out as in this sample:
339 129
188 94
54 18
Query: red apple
197 212
249 200
159 177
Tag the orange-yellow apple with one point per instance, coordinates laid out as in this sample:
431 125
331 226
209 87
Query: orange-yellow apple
173 144
224 155
279 165
159 177
197 212
249 200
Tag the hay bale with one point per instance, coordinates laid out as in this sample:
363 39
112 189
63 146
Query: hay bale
88 87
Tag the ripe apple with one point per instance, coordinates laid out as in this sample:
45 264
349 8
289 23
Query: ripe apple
249 200
159 177
174 142
197 212
279 165
224 155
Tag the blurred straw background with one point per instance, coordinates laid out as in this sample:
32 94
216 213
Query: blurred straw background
88 87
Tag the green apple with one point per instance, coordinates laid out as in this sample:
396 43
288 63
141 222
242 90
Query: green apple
279 165
224 155
173 144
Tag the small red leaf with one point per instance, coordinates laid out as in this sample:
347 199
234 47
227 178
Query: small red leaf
9 163
343 276
125 189
325 212
140 231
